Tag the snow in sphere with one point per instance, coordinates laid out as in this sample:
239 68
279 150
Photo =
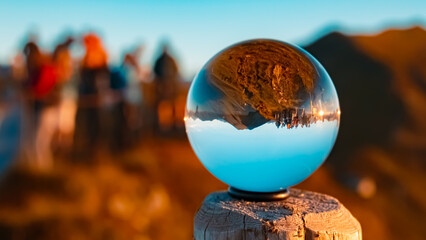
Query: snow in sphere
262 115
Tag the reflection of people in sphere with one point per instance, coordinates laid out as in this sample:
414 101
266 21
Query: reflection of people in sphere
166 90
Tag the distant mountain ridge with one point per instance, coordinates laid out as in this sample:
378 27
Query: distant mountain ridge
404 52
381 83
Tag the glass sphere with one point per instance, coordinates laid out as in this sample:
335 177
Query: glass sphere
262 115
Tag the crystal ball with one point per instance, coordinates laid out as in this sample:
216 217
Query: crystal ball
262 115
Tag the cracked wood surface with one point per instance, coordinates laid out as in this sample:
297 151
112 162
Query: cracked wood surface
303 215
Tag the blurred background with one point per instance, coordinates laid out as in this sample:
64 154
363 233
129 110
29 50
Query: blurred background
92 98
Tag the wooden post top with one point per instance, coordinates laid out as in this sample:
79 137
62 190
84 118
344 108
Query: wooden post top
303 215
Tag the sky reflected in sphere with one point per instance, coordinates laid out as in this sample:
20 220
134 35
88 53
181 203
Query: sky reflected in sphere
262 115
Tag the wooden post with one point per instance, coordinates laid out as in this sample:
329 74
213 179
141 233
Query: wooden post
303 215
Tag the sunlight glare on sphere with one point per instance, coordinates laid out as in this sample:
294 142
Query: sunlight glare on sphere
262 115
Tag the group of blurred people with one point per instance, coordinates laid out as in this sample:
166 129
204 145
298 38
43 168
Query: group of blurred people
78 106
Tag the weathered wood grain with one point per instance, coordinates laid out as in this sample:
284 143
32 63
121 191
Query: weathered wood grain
303 215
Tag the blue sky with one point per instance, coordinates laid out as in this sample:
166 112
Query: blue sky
196 29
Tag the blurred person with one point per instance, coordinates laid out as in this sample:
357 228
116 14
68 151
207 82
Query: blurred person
93 94
67 106
166 85
10 131
44 85
133 108
10 112
126 111
117 127
34 86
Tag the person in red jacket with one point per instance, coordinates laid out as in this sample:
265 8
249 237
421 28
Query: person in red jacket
44 96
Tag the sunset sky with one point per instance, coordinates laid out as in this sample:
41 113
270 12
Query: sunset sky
196 30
